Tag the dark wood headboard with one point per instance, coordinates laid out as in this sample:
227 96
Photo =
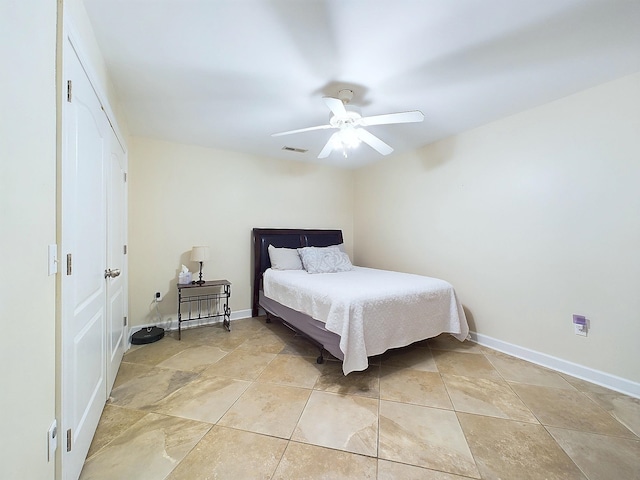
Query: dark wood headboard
288 238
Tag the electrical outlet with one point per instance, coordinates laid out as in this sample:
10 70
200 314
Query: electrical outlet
158 297
580 325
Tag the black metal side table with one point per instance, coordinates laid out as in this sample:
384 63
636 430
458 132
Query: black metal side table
206 300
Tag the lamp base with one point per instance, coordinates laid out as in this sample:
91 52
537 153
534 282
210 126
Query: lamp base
200 281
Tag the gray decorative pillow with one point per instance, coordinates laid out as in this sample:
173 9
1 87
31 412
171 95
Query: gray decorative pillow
284 258
325 259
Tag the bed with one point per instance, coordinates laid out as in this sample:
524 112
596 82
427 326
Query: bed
353 313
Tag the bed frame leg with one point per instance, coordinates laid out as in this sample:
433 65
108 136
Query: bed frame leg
320 359
268 318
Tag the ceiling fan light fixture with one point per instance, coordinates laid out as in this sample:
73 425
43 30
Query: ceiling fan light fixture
349 137
346 138
348 121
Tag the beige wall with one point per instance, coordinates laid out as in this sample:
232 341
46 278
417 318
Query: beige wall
531 218
180 196
27 223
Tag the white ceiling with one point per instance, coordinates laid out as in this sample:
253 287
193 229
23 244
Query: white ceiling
228 73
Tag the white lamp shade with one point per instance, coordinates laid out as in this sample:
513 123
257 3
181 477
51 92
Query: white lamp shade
199 254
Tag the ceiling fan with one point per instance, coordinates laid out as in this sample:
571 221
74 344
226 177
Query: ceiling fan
349 122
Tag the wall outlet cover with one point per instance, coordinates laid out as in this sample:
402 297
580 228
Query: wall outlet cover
579 320
580 329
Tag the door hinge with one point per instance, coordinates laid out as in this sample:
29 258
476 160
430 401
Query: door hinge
125 321
69 90
125 177
69 440
125 249
69 261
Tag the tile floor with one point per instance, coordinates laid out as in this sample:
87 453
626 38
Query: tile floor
253 403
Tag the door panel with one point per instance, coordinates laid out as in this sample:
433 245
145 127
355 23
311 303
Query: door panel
83 287
116 259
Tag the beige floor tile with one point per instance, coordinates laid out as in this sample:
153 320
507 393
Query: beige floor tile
130 371
490 353
154 353
486 397
149 388
240 364
194 359
395 417
516 370
310 462
279 328
226 453
416 358
228 341
425 437
584 386
214 336
343 422
399 471
263 341
446 341
148 452
624 408
205 399
291 370
413 386
268 409
253 324
298 345
113 422
194 332
506 449
571 409
365 383
600 457
464 364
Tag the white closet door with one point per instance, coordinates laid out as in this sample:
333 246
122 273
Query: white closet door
83 248
116 259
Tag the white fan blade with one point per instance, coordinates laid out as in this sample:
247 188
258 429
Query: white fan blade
336 106
309 129
329 146
373 141
402 117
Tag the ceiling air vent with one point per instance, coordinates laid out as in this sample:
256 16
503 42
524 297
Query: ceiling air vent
293 149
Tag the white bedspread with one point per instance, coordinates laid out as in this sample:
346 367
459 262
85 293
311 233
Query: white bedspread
372 310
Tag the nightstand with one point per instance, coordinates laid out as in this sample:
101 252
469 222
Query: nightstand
206 300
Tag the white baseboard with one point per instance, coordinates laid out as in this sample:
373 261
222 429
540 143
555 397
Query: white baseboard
607 380
603 379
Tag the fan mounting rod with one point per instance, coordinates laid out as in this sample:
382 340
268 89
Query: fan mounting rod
345 95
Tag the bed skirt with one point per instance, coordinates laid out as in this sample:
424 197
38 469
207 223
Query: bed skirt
305 324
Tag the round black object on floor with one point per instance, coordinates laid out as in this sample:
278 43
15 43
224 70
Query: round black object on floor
147 335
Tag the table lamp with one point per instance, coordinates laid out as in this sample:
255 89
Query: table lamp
200 254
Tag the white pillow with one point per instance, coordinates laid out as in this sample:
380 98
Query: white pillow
284 258
325 259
